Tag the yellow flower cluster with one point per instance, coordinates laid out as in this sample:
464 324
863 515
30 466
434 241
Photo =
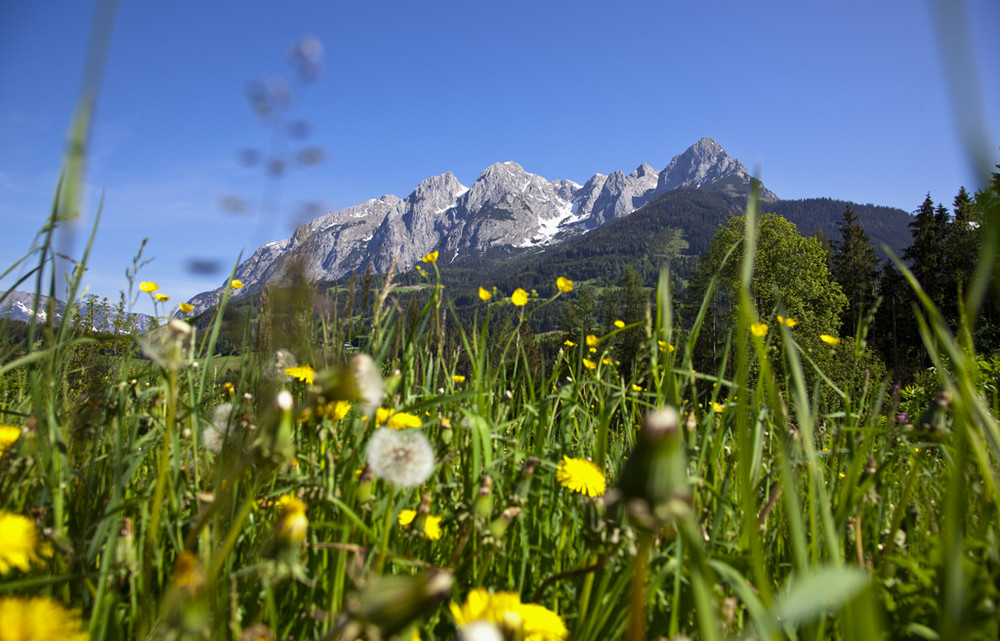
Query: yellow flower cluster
530 621
432 524
396 420
519 297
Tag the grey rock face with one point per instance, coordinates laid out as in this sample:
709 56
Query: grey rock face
505 207
706 164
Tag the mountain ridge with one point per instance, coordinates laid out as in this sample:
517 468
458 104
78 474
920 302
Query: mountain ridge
505 207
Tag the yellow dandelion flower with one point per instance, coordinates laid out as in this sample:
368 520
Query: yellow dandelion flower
403 420
406 517
148 286
236 283
529 621
564 284
759 330
432 527
39 619
580 475
430 258
8 434
788 322
20 545
592 341
186 307
484 294
304 373
541 624
519 297
292 522
619 324
829 340
229 388
458 378
569 343
161 297
589 364
338 409
607 360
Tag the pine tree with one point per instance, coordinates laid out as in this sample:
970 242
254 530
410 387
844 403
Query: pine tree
925 253
855 267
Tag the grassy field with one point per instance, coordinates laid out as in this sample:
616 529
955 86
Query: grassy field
420 490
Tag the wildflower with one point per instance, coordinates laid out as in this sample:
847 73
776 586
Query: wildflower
529 621
39 618
592 341
759 330
589 364
161 297
19 543
430 258
148 286
236 283
8 435
664 345
717 407
432 524
458 378
404 458
229 388
564 284
519 297
829 340
619 324
186 307
788 322
304 373
338 410
580 475
607 360
484 294
292 522
569 343
636 388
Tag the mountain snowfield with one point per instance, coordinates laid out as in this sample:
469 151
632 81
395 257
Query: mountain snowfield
505 207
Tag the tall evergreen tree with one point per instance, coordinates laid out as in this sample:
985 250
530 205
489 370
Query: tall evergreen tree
925 253
855 267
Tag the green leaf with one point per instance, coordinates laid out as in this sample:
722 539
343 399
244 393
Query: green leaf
821 590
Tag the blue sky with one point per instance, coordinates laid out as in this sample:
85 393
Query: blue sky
847 100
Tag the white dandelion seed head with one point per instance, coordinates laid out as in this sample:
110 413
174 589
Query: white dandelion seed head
215 432
212 439
367 381
402 457
284 400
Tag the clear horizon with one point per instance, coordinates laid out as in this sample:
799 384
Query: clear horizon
848 101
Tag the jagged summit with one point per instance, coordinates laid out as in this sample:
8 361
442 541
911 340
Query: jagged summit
505 207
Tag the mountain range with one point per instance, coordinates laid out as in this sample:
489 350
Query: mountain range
19 306
506 208
507 211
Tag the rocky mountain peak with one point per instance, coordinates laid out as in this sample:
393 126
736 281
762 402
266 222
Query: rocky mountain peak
506 207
